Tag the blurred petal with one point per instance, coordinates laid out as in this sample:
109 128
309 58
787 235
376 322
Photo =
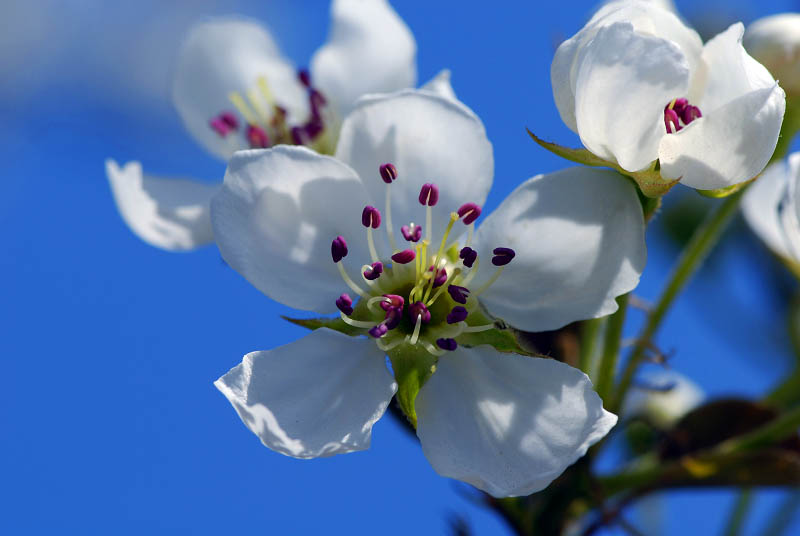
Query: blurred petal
227 55
578 235
429 139
761 207
727 146
440 85
275 217
728 72
775 42
317 396
664 398
505 423
171 214
624 82
369 50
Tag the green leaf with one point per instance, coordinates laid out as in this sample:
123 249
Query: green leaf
336 324
650 181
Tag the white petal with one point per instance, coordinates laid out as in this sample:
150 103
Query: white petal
761 207
667 397
275 217
171 214
429 139
369 50
440 85
775 42
647 18
578 235
624 82
727 72
229 55
730 145
317 396
505 423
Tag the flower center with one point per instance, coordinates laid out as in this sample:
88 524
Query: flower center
266 120
420 295
679 111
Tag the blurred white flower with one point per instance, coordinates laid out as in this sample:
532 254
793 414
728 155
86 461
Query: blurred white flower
637 85
772 209
234 90
775 42
560 248
666 397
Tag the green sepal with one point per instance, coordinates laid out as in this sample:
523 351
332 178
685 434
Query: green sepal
725 192
336 324
649 180
412 366
502 338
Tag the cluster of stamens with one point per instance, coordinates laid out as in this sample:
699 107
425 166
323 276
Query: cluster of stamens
677 111
266 121
419 295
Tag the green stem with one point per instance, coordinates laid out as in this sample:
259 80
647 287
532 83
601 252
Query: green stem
611 344
703 240
739 512
590 329
782 517
788 392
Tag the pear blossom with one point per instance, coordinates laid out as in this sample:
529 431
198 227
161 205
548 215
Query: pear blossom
637 86
775 42
385 234
772 209
234 89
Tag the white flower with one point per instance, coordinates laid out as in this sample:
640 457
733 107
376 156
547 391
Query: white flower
234 89
775 42
637 85
666 397
772 208
558 249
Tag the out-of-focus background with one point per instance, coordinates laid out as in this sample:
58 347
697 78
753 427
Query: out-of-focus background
109 422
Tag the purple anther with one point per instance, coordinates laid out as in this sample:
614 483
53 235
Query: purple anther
317 100
393 301
279 114
469 212
230 119
411 233
502 256
257 137
393 318
671 121
441 277
374 271
459 294
680 105
314 127
371 217
457 314
429 194
447 344
418 309
219 126
338 248
345 304
304 77
404 257
378 331
468 256
690 113
300 136
388 173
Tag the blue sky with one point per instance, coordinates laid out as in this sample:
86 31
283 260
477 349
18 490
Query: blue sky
110 422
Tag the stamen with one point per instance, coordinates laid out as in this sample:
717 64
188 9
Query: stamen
356 323
442 288
371 219
378 331
261 82
457 314
472 273
338 248
415 336
345 304
432 350
392 301
680 110
429 194
412 232
304 77
257 138
502 256
440 278
469 212
468 256
386 347
224 124
453 219
671 121
459 294
404 257
373 272
475 329
393 318
388 173
447 344
418 309
350 283
255 102
242 108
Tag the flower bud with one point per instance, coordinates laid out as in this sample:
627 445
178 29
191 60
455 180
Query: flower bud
775 42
